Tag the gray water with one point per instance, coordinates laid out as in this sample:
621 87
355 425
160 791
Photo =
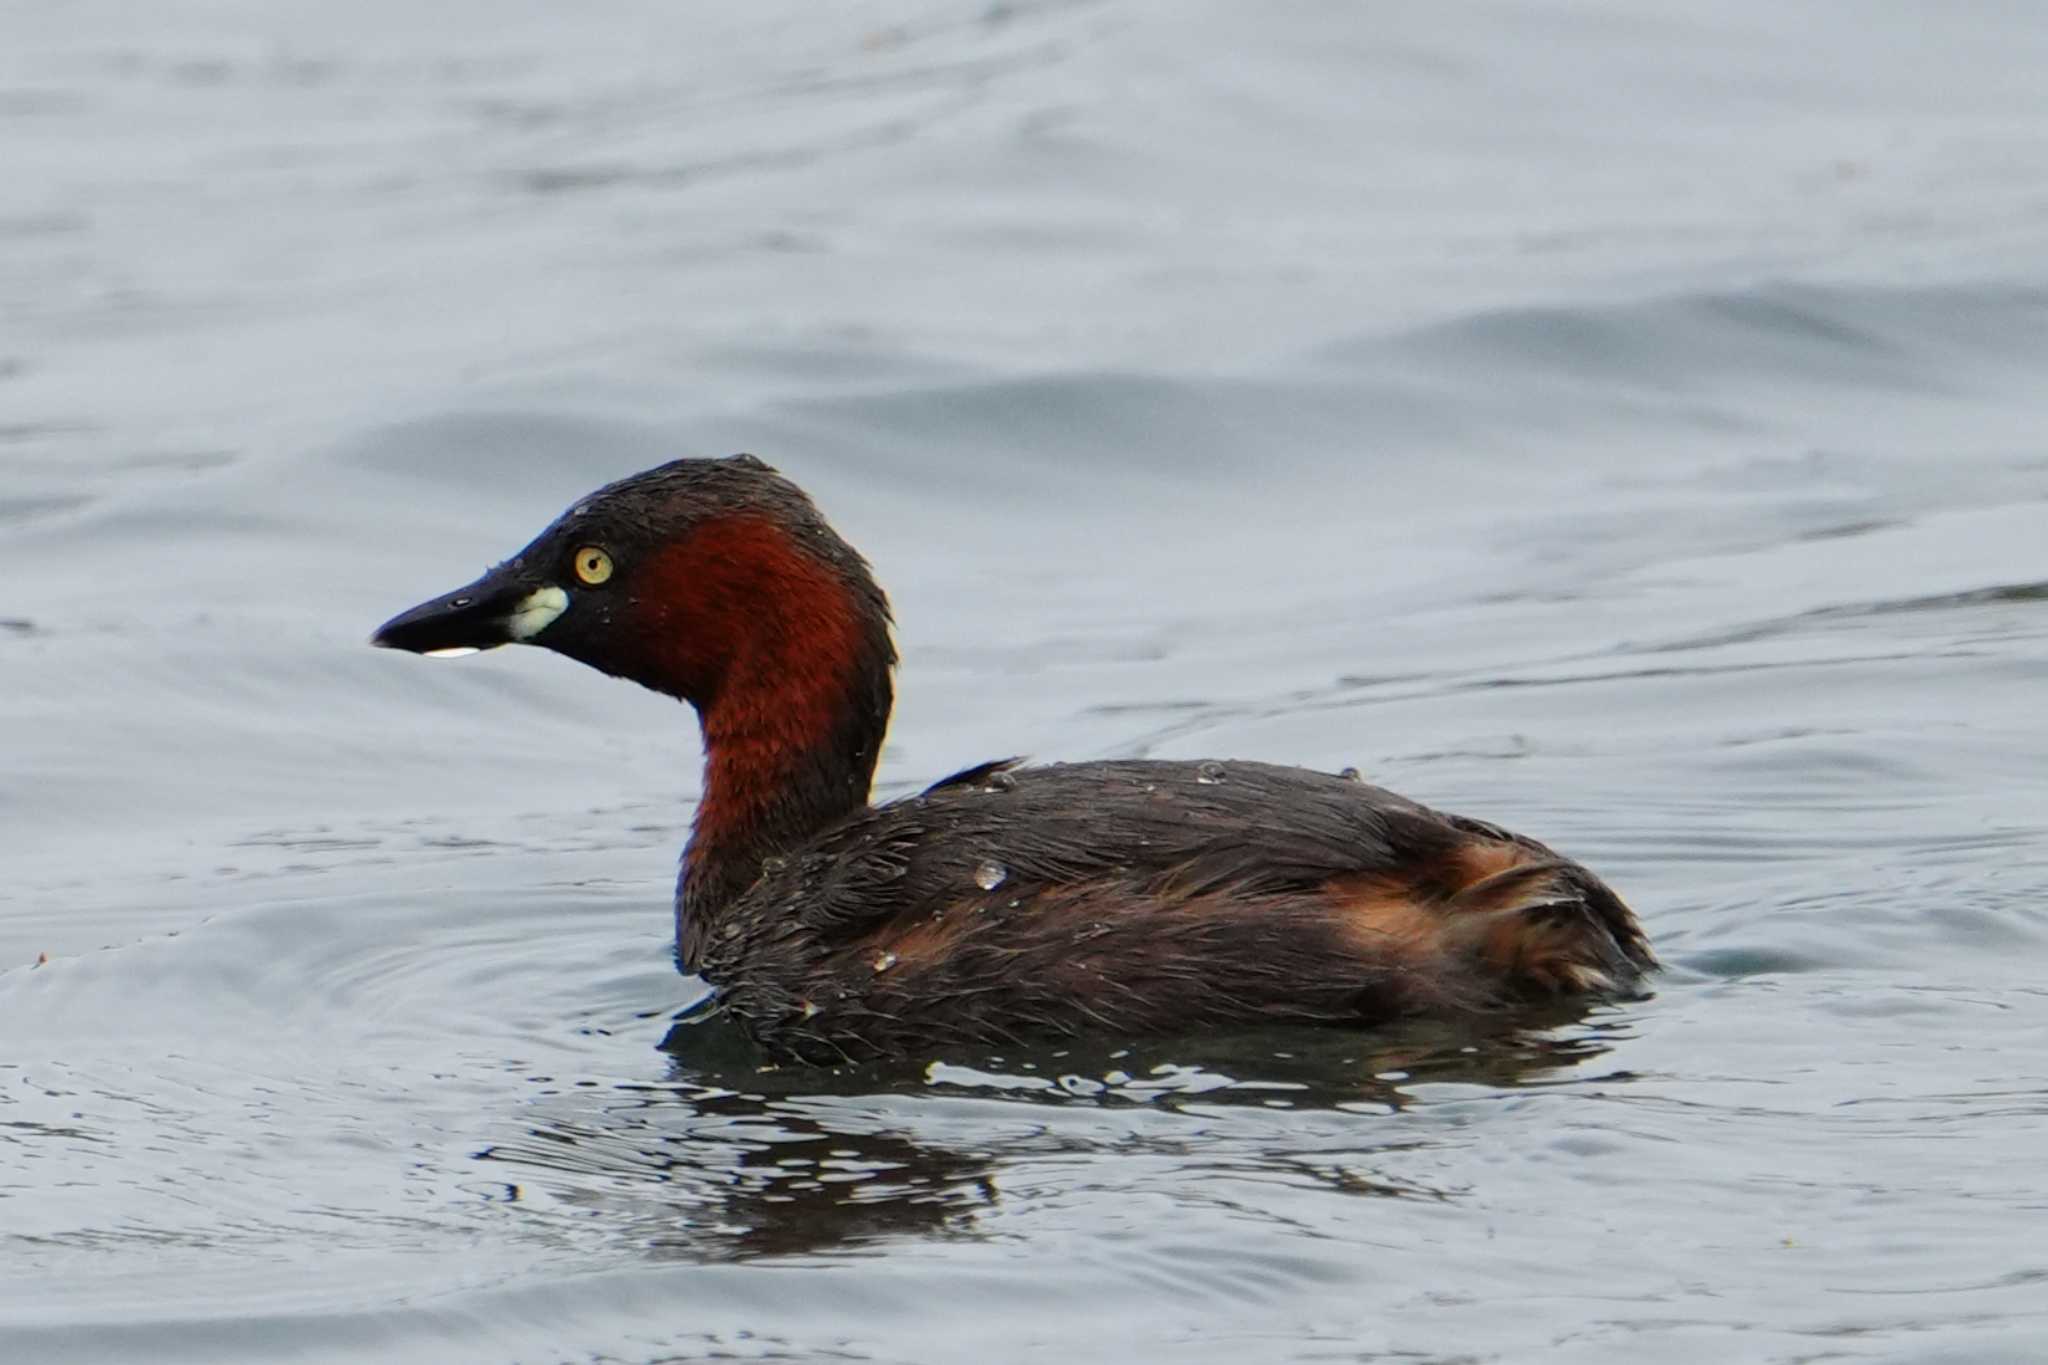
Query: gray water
1622 420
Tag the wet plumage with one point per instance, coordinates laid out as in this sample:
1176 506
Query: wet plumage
1141 897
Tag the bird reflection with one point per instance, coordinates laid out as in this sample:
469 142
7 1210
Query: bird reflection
725 1160
689 1171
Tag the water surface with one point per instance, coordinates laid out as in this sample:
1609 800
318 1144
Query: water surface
1621 421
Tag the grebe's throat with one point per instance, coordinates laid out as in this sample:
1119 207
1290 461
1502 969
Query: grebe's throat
792 723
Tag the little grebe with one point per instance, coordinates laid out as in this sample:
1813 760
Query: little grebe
1004 902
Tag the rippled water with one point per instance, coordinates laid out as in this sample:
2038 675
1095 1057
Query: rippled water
1623 421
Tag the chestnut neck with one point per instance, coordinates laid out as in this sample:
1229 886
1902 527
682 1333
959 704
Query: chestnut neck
787 660
767 791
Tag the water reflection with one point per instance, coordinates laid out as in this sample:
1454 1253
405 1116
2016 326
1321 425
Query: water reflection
727 1161
689 1171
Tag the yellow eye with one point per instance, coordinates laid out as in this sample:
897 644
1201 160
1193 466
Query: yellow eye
593 566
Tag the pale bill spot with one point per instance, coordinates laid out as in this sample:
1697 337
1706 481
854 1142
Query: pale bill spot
452 652
536 613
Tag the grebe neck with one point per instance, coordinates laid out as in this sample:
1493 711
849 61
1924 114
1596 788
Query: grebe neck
792 732
763 796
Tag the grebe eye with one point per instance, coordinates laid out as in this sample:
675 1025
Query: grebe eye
593 566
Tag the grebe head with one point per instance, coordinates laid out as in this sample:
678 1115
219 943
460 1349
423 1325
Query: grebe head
718 582
687 578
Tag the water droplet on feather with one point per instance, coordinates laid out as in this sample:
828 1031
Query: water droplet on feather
1209 774
1351 775
884 962
988 876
